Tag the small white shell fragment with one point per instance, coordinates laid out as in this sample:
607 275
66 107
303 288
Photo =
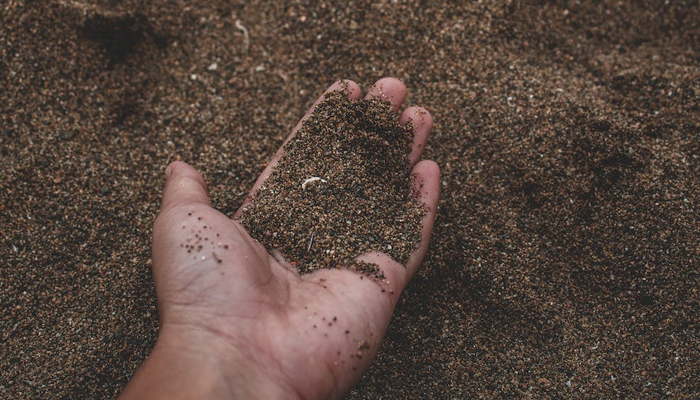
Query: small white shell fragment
312 179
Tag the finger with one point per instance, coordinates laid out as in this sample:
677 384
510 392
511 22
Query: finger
426 186
184 186
422 123
354 93
389 89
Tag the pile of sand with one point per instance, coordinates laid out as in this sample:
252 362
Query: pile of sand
342 188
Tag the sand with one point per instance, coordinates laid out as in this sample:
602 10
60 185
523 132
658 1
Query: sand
342 188
565 258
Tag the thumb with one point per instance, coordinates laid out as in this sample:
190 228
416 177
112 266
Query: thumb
184 185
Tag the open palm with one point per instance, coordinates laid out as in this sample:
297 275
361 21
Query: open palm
222 295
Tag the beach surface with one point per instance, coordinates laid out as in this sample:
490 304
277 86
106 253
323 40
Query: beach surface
565 260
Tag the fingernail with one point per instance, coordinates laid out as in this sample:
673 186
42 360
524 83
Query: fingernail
168 171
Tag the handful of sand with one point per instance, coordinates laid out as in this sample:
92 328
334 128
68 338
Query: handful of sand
340 189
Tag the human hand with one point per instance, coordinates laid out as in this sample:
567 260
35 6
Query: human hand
236 323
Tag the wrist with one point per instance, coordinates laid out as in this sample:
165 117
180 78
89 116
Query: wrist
186 364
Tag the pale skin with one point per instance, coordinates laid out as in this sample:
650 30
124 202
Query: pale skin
239 323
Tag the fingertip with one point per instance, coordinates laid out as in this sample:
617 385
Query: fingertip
389 89
418 116
180 169
422 122
351 87
184 185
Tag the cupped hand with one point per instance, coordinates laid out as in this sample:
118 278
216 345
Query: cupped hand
236 323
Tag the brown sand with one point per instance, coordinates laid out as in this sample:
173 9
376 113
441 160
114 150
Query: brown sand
341 189
565 261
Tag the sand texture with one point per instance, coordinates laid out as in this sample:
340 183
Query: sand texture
341 189
565 261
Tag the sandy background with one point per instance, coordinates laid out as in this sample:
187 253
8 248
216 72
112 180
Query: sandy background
566 255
